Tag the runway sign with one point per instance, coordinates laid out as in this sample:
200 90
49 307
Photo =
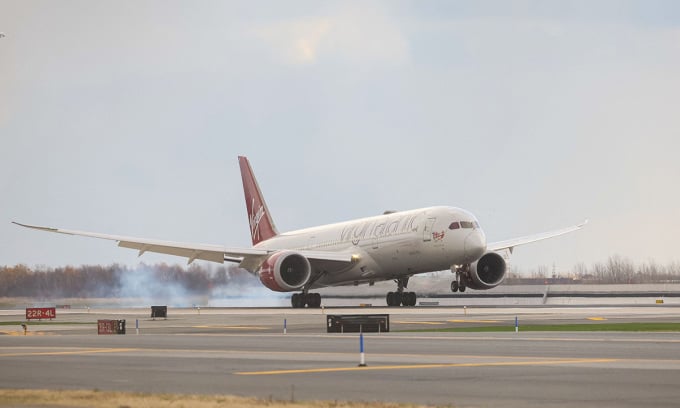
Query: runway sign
356 323
40 313
159 311
110 326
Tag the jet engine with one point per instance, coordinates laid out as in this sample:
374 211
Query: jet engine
285 271
488 272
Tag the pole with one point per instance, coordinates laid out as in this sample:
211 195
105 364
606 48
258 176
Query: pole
362 360
284 326
516 325
137 325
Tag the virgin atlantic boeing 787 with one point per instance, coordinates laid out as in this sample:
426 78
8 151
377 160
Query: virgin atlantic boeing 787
393 246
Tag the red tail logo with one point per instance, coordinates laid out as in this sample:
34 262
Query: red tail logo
261 224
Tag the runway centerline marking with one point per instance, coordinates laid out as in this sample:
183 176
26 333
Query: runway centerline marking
67 353
425 366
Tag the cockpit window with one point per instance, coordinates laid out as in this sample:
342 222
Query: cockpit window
463 224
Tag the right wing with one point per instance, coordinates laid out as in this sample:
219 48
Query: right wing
510 244
247 258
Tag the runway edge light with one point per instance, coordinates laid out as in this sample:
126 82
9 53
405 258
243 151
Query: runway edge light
362 359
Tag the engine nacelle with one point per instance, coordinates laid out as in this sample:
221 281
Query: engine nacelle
285 271
488 272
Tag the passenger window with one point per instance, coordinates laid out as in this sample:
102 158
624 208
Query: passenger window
454 225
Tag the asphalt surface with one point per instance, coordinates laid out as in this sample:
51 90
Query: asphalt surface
245 352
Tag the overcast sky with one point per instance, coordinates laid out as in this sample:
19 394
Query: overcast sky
127 117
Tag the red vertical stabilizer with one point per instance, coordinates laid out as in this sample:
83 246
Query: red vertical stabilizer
261 224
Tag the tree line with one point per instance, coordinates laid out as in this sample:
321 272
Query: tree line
616 270
114 281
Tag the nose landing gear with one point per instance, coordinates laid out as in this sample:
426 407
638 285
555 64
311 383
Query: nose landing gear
457 285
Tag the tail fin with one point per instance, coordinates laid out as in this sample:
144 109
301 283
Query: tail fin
261 224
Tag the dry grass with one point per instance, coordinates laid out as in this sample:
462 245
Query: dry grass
108 399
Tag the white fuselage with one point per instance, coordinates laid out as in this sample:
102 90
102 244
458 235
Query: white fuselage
393 245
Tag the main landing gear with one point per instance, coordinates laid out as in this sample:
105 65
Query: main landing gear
400 297
300 300
457 285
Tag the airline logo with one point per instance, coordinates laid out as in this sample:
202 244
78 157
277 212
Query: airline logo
255 218
438 236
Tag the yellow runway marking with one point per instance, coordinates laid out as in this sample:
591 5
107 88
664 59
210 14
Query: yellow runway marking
407 322
473 321
231 327
423 366
67 353
21 333
597 319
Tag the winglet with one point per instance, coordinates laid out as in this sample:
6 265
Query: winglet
48 229
261 224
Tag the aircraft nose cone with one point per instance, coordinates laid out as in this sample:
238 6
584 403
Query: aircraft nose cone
475 245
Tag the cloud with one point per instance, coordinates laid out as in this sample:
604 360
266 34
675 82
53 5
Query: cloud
351 35
295 42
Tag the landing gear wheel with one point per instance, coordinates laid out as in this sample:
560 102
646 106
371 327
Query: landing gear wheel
314 300
390 299
297 300
461 288
409 299
454 286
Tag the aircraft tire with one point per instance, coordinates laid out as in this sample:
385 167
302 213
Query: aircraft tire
409 299
314 300
390 299
454 286
461 288
398 298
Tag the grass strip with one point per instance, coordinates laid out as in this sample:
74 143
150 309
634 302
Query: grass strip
110 399
577 327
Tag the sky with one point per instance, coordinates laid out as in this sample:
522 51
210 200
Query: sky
127 118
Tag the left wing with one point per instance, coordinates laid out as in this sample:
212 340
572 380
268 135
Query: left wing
248 258
510 244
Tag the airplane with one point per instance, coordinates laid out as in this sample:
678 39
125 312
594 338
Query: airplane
393 246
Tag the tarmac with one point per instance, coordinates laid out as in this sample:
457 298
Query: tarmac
244 351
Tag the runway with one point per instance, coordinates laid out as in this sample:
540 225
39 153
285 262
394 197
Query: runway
244 352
